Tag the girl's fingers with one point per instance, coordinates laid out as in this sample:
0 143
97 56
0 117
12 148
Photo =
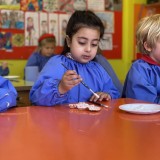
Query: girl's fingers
102 96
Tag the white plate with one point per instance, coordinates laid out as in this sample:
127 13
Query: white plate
140 108
11 77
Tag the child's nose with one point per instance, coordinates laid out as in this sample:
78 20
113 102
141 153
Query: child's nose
50 50
88 48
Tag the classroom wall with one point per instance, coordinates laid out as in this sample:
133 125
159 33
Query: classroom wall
17 66
127 40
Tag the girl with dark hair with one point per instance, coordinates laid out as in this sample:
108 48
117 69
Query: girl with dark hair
58 85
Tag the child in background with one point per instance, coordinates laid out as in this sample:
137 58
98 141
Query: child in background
56 85
8 94
143 79
44 51
4 70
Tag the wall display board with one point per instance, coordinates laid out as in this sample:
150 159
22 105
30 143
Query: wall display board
22 23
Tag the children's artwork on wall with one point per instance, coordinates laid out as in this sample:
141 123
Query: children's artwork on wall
79 5
5 41
50 5
66 6
12 19
96 5
12 7
63 20
0 20
108 4
43 23
31 28
8 41
108 20
117 5
53 26
107 42
31 5
9 2
1 40
20 20
18 40
5 20
26 24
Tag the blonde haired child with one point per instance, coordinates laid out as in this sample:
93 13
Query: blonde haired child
143 79
44 51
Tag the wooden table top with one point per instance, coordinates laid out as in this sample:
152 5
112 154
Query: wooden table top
21 84
60 133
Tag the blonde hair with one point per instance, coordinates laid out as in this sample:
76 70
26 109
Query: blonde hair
148 30
44 42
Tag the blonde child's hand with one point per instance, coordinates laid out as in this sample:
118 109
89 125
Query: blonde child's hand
102 96
69 80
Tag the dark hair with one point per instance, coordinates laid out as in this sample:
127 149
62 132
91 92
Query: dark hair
80 19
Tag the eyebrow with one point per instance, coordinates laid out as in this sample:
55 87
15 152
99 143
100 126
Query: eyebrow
87 38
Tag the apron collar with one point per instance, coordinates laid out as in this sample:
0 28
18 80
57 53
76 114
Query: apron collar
149 60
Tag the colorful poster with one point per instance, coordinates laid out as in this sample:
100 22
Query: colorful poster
10 4
53 26
31 5
31 28
5 19
12 19
117 5
79 5
108 20
66 6
6 41
50 5
96 5
63 20
109 5
1 40
43 22
18 40
107 42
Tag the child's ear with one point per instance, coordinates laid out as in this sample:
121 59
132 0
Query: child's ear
68 40
147 48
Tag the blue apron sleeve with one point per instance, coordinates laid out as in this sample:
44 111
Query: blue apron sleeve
8 94
47 93
139 86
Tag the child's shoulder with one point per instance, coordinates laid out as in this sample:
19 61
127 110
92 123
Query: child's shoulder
35 54
97 67
57 59
141 65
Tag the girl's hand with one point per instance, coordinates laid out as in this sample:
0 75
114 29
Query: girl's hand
69 80
102 96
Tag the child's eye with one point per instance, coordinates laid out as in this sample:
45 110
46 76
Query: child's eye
82 43
94 45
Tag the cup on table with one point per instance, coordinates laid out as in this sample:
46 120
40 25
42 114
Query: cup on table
31 73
